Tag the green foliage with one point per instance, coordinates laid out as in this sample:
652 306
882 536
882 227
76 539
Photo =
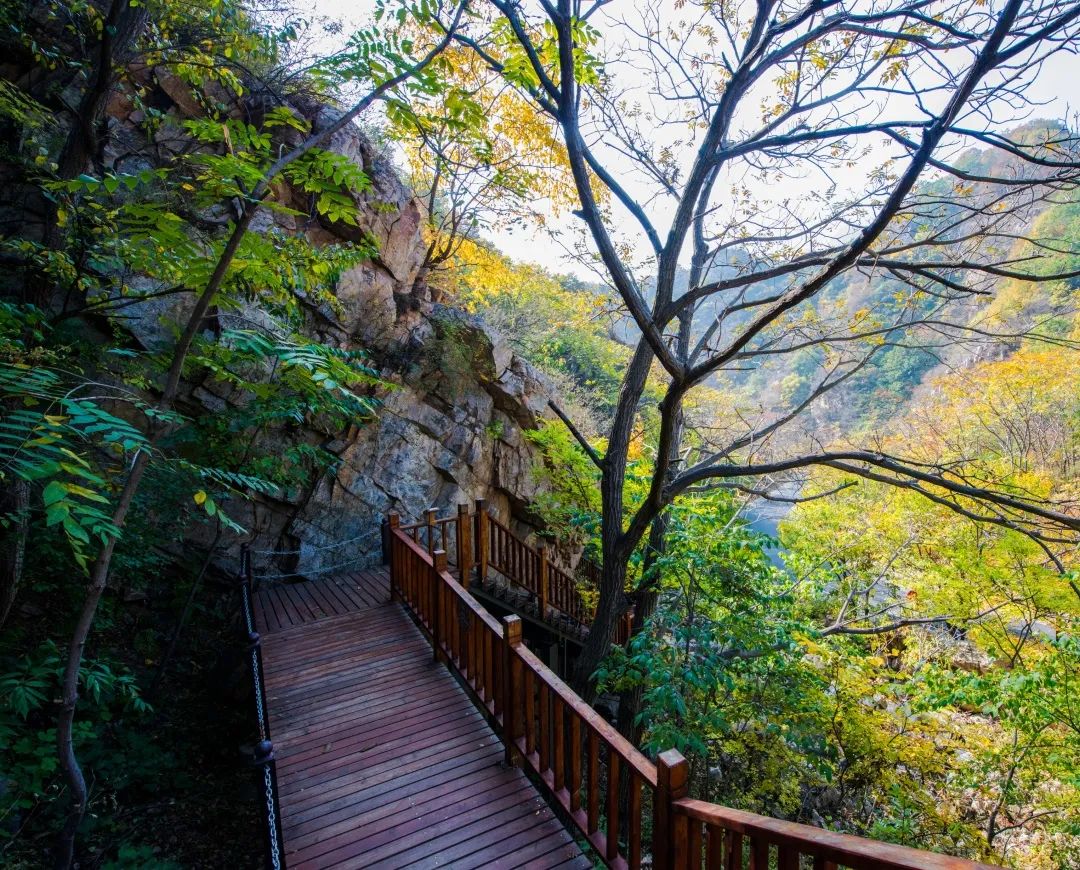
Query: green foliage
28 685
570 500
49 431
555 322
145 234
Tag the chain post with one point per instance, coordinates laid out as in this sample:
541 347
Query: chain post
392 522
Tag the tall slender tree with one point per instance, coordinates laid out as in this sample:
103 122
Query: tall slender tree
780 148
234 173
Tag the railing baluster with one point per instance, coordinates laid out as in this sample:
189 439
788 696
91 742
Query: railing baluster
714 847
558 738
430 516
483 541
542 583
492 674
545 729
734 851
512 668
634 827
693 844
680 838
575 762
464 545
612 806
530 713
593 802
759 853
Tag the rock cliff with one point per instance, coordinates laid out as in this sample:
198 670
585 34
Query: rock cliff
450 428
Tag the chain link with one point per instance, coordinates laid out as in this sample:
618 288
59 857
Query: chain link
310 548
245 599
259 712
271 818
328 569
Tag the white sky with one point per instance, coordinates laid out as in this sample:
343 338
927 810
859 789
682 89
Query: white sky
1055 85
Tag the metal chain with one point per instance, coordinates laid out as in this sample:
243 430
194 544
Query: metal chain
310 548
325 570
259 712
245 598
271 818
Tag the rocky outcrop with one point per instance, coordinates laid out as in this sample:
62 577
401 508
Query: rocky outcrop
452 420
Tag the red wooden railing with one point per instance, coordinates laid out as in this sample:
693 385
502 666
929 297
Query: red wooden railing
479 541
588 766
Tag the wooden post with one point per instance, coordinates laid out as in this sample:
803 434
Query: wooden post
672 775
481 540
512 724
430 516
542 594
439 559
464 544
392 522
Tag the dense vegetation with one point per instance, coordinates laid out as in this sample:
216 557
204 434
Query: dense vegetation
906 672
900 660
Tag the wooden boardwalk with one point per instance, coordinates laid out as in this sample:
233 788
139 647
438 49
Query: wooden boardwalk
382 758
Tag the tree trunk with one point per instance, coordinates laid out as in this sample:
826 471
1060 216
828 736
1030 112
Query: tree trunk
69 763
602 631
123 24
645 606
100 573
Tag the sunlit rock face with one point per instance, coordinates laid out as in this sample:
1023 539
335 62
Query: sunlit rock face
451 421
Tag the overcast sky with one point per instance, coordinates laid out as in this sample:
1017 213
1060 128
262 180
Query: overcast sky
1055 86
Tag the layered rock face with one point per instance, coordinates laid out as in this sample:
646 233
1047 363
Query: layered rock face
450 429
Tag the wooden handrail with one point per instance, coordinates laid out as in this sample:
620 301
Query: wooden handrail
584 761
543 723
549 584
483 542
710 826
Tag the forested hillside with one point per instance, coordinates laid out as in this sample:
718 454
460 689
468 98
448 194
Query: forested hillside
908 673
809 256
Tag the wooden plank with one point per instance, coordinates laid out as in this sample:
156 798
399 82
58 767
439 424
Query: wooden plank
435 839
330 591
413 818
363 737
319 592
281 610
527 842
331 768
300 612
386 814
382 758
441 776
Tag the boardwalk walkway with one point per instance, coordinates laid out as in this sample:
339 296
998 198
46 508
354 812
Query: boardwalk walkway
382 758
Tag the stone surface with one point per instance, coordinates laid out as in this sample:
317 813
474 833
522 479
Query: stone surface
451 426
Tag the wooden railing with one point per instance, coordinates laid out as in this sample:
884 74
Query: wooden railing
589 769
479 541
544 725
